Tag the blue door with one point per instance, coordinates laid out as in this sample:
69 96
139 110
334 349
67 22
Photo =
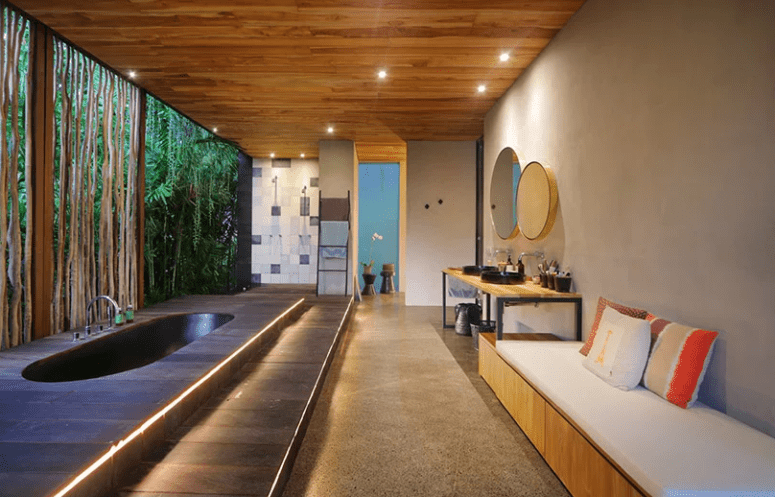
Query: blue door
378 191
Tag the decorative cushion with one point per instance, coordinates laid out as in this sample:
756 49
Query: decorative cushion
601 305
678 362
657 325
620 349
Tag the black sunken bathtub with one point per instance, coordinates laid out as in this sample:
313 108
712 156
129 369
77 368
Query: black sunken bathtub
131 348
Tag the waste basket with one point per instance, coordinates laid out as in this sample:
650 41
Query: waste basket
483 326
465 314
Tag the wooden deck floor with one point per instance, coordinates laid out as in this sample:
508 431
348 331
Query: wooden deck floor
51 432
243 441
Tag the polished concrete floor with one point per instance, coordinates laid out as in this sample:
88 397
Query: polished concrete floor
403 412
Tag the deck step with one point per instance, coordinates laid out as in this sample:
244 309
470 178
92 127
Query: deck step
244 439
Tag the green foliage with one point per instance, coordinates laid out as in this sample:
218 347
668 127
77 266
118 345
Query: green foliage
190 207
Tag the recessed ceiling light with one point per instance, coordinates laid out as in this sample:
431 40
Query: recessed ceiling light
271 155
132 74
382 74
504 56
481 88
330 129
302 155
215 130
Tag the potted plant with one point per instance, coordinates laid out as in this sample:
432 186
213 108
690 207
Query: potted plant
368 265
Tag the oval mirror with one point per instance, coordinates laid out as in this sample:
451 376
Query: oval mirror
503 189
536 201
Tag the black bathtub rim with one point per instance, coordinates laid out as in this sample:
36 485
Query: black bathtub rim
96 340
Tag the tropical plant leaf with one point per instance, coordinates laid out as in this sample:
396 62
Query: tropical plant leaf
191 179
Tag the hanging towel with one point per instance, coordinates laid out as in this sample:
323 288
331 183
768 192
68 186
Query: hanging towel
333 252
460 289
334 209
334 232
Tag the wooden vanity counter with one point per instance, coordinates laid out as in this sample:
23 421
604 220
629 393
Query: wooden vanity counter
527 292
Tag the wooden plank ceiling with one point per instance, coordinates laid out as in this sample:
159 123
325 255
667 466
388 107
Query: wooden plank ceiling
274 75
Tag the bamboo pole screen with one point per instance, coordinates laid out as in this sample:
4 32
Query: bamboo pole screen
95 141
96 146
15 153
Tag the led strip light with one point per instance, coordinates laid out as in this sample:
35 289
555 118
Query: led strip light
150 421
318 384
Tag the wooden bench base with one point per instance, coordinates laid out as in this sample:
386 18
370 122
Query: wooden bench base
584 469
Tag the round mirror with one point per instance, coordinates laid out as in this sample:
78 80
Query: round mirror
536 201
503 190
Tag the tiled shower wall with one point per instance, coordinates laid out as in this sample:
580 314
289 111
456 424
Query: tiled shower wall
285 223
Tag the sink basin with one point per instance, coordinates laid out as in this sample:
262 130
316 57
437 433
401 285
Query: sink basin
502 278
478 269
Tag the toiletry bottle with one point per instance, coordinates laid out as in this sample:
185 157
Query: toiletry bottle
119 320
520 267
509 264
129 314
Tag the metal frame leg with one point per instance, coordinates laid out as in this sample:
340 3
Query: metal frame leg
499 303
444 301
578 320
488 306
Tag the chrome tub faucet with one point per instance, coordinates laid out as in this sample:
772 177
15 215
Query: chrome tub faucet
113 311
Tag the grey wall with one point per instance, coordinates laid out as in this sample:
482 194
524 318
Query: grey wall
658 118
444 234
339 174
337 167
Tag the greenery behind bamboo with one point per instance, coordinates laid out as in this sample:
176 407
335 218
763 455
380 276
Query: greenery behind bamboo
190 207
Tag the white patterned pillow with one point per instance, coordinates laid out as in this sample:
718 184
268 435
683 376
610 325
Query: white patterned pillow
620 349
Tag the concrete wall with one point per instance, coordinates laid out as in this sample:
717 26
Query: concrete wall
338 175
336 158
444 234
658 118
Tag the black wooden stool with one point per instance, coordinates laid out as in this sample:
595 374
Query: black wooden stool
368 280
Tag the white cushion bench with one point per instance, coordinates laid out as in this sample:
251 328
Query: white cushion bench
602 441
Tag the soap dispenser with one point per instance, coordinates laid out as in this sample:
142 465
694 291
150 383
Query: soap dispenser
509 264
520 267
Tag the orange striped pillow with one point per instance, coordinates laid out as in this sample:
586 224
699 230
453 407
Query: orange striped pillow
678 362
601 305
